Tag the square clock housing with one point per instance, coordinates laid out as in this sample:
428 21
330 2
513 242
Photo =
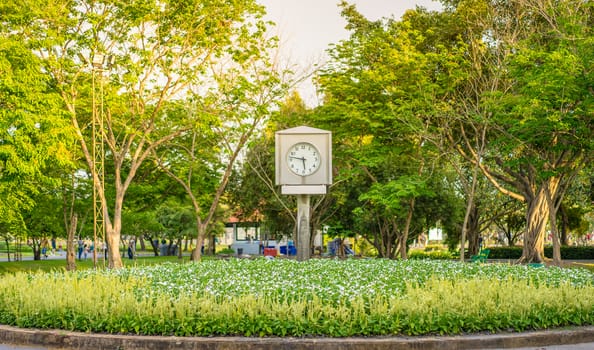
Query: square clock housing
303 158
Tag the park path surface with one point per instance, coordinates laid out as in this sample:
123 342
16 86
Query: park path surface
582 346
574 338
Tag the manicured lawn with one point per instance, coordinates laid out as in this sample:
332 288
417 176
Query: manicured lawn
60 264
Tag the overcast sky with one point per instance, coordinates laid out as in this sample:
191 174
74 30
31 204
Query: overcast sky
307 27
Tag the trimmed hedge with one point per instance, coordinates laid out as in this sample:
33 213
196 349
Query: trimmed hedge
433 255
567 252
505 252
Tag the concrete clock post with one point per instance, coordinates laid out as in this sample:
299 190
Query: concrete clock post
303 164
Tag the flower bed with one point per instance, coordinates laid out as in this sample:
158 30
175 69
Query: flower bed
315 298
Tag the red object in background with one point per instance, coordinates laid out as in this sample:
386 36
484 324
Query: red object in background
269 251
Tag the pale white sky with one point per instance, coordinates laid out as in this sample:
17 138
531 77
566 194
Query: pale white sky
307 27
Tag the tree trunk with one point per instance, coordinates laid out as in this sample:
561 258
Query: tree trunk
536 222
113 244
404 238
212 248
36 250
564 225
553 225
469 207
377 243
473 230
70 254
556 241
113 229
179 248
384 246
388 244
154 245
7 248
197 252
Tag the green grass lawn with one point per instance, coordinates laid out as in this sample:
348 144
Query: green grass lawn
60 264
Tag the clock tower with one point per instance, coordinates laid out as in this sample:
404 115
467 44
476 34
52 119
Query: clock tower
303 166
303 160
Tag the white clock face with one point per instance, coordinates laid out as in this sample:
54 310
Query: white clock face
303 159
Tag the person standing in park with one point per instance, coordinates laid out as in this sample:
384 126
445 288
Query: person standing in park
53 245
131 248
81 247
44 247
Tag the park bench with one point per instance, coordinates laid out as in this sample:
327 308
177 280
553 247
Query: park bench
481 256
536 265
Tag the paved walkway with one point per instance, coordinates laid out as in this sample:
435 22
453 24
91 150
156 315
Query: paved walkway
563 339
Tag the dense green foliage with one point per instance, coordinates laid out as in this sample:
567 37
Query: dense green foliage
496 88
413 104
567 252
35 138
132 82
287 298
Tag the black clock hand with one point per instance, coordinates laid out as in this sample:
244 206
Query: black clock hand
302 158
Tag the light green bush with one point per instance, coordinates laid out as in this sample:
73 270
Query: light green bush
436 255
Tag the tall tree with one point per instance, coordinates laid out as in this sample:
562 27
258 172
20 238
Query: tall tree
529 82
34 135
227 119
379 95
160 51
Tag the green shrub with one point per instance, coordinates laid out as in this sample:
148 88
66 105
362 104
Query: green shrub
505 253
418 254
434 255
284 297
23 248
228 251
572 252
567 252
441 255
432 247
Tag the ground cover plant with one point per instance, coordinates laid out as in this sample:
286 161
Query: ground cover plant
48 265
337 298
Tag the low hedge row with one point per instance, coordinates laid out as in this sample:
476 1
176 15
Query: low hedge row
433 255
567 252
